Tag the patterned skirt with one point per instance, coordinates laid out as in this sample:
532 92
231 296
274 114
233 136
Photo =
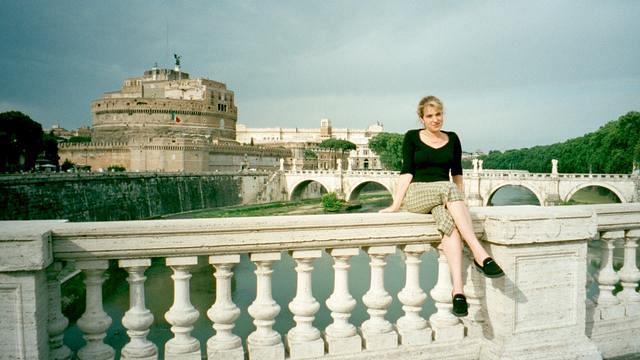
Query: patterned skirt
425 197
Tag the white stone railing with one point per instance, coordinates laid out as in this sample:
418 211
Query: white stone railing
538 309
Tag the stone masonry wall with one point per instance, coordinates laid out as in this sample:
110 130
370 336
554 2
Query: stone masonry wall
124 196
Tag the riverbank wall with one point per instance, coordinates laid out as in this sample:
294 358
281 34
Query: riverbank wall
130 196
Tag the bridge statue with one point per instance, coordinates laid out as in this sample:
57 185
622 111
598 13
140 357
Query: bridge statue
350 164
339 164
281 164
480 165
475 165
554 167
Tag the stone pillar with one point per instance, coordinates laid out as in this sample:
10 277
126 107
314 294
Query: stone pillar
182 315
94 322
304 341
224 313
608 305
537 310
138 319
25 253
446 326
57 322
412 328
474 290
630 275
341 336
377 332
264 343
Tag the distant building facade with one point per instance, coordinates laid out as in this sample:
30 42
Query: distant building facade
299 140
166 121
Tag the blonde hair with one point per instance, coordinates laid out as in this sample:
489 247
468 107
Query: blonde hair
429 101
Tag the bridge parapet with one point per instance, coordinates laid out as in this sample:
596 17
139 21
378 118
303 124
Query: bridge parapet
537 309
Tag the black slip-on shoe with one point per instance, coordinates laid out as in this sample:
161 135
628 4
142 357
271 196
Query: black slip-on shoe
489 268
460 306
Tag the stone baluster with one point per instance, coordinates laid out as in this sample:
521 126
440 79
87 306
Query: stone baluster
607 303
444 324
138 318
182 315
94 322
57 322
341 336
630 275
412 328
304 341
224 344
474 291
264 343
377 332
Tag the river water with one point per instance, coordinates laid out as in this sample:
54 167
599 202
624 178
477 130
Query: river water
159 288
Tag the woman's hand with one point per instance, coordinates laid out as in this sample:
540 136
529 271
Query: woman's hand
389 209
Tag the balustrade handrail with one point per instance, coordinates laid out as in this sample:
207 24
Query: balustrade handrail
163 238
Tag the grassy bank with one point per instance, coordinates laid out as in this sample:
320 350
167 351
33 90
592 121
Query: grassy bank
369 202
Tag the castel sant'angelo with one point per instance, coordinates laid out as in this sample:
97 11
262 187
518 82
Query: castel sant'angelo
166 121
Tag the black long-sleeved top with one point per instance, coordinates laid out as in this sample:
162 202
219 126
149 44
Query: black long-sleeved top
428 164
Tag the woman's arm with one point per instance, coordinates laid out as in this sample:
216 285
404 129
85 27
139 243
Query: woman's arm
401 189
457 179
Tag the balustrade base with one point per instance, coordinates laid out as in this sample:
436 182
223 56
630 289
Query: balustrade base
148 357
232 354
273 352
195 355
448 333
632 310
415 337
343 345
306 349
378 341
612 337
610 312
539 346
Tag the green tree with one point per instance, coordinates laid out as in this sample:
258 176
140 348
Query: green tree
389 147
337 144
80 139
50 148
611 149
310 154
66 165
20 142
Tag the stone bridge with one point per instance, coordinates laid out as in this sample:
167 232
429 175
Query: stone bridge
549 188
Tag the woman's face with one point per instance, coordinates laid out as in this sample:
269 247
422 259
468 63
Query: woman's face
432 118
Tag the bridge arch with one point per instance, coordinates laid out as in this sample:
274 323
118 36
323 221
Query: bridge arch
301 186
609 187
485 201
355 190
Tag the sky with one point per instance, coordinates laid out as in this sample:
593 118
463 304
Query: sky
511 74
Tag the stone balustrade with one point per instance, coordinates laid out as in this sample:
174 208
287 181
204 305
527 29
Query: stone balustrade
539 309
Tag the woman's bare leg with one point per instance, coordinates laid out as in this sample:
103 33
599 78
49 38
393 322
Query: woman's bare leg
462 218
452 247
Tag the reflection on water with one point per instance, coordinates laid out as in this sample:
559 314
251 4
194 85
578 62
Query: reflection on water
513 195
159 296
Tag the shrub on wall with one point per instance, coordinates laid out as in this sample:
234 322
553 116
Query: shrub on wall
331 202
